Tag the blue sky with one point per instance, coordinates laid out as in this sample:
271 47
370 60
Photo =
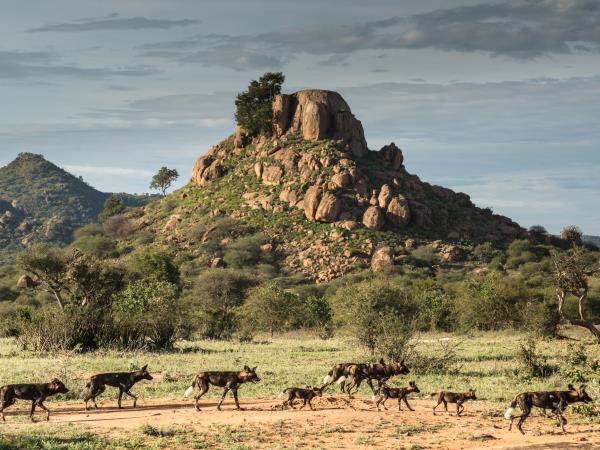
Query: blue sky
499 99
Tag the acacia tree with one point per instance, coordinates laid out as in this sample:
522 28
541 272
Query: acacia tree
572 234
164 179
72 277
571 272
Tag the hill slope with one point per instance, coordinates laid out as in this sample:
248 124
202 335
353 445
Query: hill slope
40 202
322 201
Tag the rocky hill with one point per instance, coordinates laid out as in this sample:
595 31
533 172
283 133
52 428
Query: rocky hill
325 203
40 202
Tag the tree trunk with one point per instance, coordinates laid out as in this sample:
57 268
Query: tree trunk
581 322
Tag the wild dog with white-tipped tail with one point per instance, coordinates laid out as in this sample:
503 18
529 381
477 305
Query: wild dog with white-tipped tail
229 381
557 401
339 374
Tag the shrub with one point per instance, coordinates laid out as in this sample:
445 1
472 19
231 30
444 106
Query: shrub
541 318
253 110
270 308
50 330
119 225
98 245
485 252
572 234
434 305
112 206
531 363
424 256
211 305
489 303
145 315
153 263
244 251
369 308
317 316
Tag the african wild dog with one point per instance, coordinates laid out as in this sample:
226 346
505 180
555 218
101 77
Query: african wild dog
36 393
339 374
385 392
304 394
122 380
454 397
380 371
229 381
557 401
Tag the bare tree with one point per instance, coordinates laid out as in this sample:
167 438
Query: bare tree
571 272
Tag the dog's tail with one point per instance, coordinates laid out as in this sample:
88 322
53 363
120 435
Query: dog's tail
189 390
328 378
433 394
282 393
510 412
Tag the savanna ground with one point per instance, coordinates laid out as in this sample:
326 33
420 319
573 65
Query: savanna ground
163 419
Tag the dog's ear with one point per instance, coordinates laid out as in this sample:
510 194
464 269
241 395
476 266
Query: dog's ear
411 383
145 368
582 387
247 369
402 362
570 387
254 368
381 361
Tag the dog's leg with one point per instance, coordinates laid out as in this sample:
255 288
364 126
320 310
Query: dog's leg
523 418
234 390
310 404
120 397
303 403
133 397
203 390
99 392
459 408
406 403
438 404
445 406
32 410
40 403
225 391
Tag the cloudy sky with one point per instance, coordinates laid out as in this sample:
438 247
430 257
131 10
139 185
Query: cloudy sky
499 99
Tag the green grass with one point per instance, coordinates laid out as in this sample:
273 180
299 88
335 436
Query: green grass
485 361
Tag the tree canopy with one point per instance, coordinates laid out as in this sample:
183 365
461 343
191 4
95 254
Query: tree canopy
253 107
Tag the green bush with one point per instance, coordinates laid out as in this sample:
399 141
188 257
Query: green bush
368 311
145 316
99 246
153 263
317 316
489 303
211 305
434 306
244 251
270 308
424 256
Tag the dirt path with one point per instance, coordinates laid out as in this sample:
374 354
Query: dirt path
337 423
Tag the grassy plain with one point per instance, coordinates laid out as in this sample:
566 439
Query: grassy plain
486 361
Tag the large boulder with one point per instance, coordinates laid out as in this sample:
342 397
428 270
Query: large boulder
382 257
311 201
373 218
272 174
398 211
206 169
240 137
385 196
281 113
319 114
392 155
329 208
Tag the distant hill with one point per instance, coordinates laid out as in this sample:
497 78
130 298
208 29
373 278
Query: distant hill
595 240
40 202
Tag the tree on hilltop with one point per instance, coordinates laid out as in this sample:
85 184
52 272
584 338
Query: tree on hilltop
164 179
253 107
